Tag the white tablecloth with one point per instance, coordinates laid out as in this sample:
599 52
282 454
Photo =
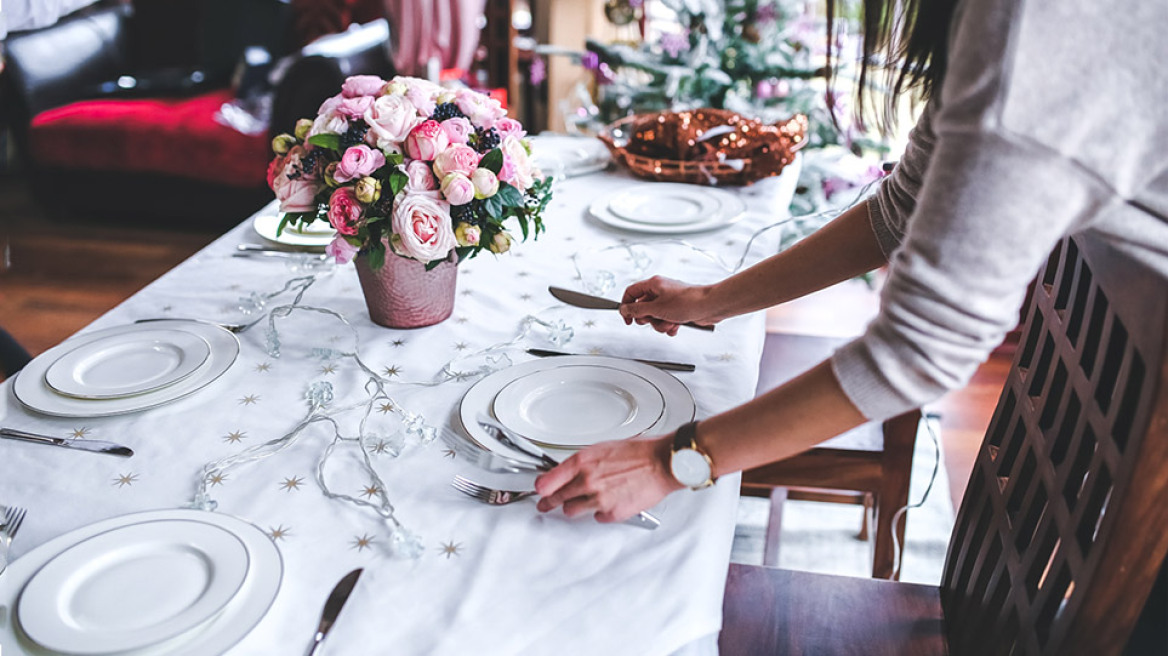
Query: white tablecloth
504 580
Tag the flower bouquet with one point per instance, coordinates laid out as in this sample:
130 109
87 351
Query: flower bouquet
411 175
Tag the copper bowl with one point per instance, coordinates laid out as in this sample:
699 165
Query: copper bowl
704 146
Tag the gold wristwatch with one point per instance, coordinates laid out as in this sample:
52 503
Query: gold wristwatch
690 465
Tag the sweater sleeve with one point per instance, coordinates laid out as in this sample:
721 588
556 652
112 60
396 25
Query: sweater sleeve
990 203
892 205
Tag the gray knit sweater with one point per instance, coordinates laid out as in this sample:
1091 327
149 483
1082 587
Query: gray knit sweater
1052 119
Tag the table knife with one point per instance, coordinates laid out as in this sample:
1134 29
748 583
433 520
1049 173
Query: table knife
660 364
590 302
528 448
332 608
97 446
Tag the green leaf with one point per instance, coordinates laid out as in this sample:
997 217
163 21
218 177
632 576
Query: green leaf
374 219
283 222
523 226
397 181
326 140
434 263
492 161
509 195
495 206
377 257
394 159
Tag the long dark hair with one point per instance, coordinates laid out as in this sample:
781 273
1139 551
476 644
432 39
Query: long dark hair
908 40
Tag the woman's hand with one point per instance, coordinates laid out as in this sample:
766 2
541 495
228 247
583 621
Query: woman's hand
613 480
665 304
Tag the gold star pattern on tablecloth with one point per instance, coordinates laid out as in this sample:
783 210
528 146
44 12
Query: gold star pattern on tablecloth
123 480
461 320
451 548
385 408
234 436
292 483
391 371
370 491
250 399
522 274
363 542
467 292
263 367
381 447
80 433
279 533
460 346
167 308
398 342
216 479
589 324
726 357
525 297
328 369
449 453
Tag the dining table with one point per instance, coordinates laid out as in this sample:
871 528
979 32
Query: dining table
287 439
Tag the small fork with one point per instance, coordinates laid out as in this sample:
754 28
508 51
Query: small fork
13 518
488 495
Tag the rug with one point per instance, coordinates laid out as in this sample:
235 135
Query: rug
822 537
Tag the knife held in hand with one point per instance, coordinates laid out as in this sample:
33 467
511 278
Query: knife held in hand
660 364
590 302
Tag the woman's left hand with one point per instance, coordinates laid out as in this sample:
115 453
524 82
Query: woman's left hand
613 480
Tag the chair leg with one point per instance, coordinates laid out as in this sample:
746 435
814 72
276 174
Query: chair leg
866 520
770 553
900 434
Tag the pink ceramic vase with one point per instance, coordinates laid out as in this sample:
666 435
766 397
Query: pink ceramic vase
403 294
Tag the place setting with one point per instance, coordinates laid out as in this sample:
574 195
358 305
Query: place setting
177 582
668 208
126 368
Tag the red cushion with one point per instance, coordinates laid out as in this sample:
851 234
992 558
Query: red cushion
175 136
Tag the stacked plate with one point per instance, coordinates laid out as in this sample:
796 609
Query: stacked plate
569 402
314 236
563 156
126 369
668 208
161 582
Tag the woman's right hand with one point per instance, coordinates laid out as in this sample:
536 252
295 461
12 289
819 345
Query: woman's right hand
666 304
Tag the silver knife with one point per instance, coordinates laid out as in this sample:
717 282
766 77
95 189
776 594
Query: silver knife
590 302
528 448
332 608
660 364
97 446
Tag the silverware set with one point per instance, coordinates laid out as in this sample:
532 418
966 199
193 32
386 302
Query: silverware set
9 525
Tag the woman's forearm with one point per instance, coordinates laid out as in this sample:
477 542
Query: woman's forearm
840 250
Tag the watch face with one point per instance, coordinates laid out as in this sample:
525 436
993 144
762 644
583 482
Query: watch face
690 468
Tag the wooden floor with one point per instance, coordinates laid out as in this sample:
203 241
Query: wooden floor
60 275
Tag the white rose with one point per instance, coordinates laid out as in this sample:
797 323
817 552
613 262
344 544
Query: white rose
482 110
391 118
421 226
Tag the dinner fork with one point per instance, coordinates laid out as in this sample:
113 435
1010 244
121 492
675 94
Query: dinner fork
489 495
13 518
229 327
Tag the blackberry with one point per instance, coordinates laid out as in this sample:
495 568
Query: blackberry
486 140
446 110
354 136
307 164
461 213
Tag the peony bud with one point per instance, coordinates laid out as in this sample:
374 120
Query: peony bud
302 128
501 243
467 234
368 190
282 143
486 183
330 173
458 189
396 89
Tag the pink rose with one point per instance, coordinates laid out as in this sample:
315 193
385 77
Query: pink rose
486 184
275 168
331 123
421 93
341 250
421 178
296 195
457 129
517 168
458 189
390 119
362 85
421 227
354 108
482 110
456 159
345 211
358 162
426 141
509 127
330 105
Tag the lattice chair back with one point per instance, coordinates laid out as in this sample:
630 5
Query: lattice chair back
1064 524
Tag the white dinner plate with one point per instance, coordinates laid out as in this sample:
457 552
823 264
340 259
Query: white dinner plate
731 208
665 204
573 407
31 389
236 620
679 402
132 587
317 234
128 363
568 156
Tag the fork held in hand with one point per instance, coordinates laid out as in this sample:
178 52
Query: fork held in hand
489 495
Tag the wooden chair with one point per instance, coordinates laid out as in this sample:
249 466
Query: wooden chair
873 462
1064 525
